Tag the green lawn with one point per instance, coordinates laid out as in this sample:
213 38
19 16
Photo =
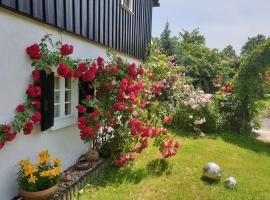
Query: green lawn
245 158
264 106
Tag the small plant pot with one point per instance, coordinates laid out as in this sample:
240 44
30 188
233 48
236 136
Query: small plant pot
40 195
82 165
92 155
67 177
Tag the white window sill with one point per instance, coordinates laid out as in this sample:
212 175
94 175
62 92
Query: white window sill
127 9
64 122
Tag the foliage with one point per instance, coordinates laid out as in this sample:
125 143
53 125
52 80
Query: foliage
201 63
166 42
41 176
251 83
111 116
229 51
195 111
252 44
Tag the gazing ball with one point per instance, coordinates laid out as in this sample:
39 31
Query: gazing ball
230 182
212 171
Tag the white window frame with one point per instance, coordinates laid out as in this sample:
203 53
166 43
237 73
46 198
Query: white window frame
67 120
126 8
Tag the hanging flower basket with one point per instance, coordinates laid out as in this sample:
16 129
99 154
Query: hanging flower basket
40 195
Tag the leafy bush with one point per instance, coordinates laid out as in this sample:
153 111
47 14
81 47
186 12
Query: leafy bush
195 111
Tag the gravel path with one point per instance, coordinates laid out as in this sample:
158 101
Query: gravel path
264 132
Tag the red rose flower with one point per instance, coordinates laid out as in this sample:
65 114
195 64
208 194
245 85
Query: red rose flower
2 144
141 70
11 137
20 108
36 104
98 126
28 128
151 75
81 108
34 51
62 69
83 120
33 91
6 129
66 50
78 73
120 106
89 75
93 115
69 73
110 87
88 97
100 61
168 120
36 118
81 126
131 110
143 104
35 75
86 132
83 67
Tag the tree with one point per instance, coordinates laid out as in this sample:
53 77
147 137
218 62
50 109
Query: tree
252 43
192 37
166 42
229 51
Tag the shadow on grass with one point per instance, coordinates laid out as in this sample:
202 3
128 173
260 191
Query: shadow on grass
158 167
208 181
247 141
116 176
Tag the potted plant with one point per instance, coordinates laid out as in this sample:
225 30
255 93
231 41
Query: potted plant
39 181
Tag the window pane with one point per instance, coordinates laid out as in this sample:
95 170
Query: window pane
56 83
67 108
57 97
67 96
57 111
68 83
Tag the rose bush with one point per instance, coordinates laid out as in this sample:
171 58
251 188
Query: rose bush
112 118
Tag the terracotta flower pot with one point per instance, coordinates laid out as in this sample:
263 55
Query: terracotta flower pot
40 195
92 155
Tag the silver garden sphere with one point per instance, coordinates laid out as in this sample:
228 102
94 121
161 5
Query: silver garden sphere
212 171
230 182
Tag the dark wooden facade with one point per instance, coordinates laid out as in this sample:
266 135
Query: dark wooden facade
103 21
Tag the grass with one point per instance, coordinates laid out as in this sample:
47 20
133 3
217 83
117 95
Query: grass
264 106
242 157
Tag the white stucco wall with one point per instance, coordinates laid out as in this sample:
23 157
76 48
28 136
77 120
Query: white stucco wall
16 33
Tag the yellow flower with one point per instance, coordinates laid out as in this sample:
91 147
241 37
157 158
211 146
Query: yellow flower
45 173
44 154
57 161
23 163
43 160
32 179
30 169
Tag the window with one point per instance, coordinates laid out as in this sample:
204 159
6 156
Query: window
128 6
65 101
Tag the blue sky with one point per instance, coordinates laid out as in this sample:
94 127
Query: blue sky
222 22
